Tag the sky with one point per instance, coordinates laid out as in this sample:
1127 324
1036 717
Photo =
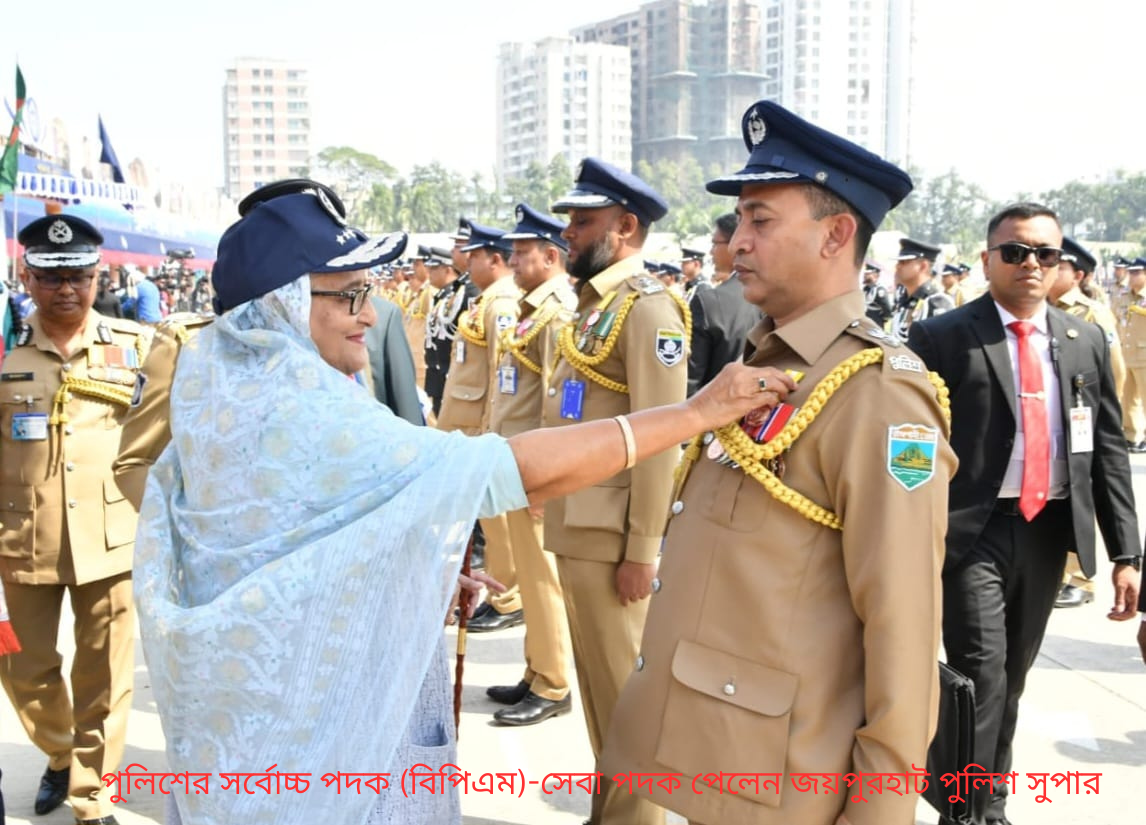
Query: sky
1016 95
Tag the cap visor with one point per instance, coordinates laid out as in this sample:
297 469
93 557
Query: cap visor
61 260
582 199
732 184
374 251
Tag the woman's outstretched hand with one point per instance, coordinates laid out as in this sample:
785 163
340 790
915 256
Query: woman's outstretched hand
738 390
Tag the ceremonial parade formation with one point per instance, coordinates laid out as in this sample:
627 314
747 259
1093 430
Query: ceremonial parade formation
739 502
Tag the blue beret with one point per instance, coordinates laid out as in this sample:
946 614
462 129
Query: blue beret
1077 256
598 184
909 250
785 148
60 242
537 225
287 237
486 237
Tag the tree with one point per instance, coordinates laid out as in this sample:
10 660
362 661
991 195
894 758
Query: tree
354 174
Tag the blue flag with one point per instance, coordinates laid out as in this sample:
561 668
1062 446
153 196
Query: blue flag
107 155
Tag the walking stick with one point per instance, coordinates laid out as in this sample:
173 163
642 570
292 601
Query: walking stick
465 598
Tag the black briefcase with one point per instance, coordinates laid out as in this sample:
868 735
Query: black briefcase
952 749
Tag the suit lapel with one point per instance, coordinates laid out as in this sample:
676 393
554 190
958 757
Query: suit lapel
989 330
1066 354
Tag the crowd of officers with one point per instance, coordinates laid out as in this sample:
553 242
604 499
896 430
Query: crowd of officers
503 332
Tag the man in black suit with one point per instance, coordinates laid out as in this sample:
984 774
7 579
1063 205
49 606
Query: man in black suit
1036 424
721 318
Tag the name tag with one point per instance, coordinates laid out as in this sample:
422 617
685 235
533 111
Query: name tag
30 427
460 351
1081 430
507 380
573 399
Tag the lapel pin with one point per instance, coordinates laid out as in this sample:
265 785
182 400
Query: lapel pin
1072 333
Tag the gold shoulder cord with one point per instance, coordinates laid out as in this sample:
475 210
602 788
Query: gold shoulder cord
475 334
585 364
516 346
752 456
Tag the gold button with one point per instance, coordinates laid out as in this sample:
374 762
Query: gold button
640 663
66 367
656 585
69 466
730 688
72 503
552 391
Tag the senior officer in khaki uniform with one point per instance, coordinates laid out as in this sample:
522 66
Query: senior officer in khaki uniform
624 351
528 351
418 308
795 625
1130 309
64 391
1077 589
466 399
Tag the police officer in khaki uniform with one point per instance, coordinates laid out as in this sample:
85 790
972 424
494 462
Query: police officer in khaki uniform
64 392
1077 588
1130 309
414 319
527 357
624 351
794 626
466 399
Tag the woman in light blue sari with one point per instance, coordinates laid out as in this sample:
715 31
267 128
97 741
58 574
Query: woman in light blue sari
291 514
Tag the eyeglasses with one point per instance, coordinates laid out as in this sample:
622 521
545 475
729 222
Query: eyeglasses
1013 252
357 297
79 283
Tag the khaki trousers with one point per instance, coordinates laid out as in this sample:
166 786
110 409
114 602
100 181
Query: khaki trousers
606 637
1133 416
499 564
546 628
85 733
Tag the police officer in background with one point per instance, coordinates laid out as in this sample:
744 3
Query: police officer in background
447 273
692 270
919 295
1130 309
876 299
625 351
64 391
526 362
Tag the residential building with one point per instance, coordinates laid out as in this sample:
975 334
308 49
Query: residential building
266 123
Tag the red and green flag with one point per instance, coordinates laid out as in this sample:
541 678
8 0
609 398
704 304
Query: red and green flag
8 162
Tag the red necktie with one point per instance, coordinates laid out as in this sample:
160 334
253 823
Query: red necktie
1036 428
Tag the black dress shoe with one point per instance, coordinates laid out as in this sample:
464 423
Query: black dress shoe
53 790
532 709
1071 596
508 694
102 820
491 620
1140 447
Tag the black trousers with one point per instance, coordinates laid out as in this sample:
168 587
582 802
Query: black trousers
996 604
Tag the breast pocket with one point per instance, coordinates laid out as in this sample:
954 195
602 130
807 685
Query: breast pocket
17 521
742 707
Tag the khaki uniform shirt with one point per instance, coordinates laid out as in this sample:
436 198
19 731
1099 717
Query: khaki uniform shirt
1088 309
776 645
465 401
1130 309
147 428
527 356
63 520
622 518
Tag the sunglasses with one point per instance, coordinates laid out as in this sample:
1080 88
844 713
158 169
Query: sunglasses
79 283
357 297
1013 252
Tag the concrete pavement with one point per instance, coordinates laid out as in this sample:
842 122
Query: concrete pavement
1084 710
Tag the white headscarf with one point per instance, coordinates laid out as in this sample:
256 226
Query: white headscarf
289 521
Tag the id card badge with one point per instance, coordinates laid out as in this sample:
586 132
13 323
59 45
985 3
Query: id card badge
30 427
507 380
1081 430
572 399
460 351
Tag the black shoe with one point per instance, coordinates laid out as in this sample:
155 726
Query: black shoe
102 820
1140 447
491 620
532 709
1071 596
508 694
53 790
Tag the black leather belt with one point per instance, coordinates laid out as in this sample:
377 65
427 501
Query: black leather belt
1010 506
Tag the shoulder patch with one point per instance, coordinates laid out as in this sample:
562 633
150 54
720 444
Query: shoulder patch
504 321
911 454
905 362
646 285
670 346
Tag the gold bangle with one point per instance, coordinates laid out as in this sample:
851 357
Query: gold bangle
630 440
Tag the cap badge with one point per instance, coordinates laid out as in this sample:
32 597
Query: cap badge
329 206
580 167
821 176
756 128
59 232
519 213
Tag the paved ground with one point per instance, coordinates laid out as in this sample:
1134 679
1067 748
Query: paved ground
1084 710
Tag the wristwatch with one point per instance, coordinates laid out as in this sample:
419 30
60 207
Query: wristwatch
1133 561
